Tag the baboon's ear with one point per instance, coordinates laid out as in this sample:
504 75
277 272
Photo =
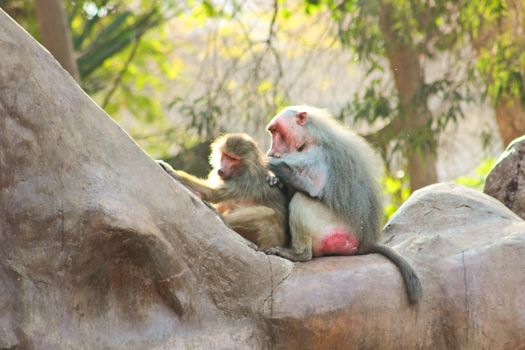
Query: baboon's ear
301 118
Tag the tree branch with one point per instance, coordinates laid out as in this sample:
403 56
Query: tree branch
123 71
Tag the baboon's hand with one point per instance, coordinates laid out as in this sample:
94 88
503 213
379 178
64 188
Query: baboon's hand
164 165
273 251
209 205
273 181
253 246
280 167
168 168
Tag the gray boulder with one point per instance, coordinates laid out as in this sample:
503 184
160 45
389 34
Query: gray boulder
506 181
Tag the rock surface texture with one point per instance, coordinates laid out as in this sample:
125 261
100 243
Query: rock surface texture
100 249
506 182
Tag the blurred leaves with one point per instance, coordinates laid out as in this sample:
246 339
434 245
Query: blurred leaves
481 41
396 191
502 66
477 180
203 114
23 11
374 103
174 73
104 29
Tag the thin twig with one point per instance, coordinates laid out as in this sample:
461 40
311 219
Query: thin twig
271 34
123 71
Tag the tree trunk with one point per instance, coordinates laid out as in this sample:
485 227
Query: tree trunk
414 114
510 117
100 249
510 112
54 30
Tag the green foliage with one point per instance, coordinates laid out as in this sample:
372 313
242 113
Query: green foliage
375 30
396 191
452 95
23 12
428 26
122 52
101 30
117 68
431 29
477 180
126 62
502 66
209 9
203 113
476 15
500 61
375 102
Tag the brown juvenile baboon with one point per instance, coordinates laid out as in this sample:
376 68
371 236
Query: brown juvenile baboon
338 208
237 186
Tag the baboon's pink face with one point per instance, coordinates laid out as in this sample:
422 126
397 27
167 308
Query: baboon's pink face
230 166
289 133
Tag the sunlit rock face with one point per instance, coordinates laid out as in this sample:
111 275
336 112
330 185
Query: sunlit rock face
506 181
468 251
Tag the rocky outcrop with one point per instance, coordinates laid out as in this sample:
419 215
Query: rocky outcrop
506 181
468 250
100 249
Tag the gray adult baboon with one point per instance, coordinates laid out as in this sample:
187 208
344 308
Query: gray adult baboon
336 169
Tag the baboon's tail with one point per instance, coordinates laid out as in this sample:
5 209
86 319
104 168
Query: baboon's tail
412 282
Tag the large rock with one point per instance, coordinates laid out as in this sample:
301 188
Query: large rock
506 181
100 249
468 250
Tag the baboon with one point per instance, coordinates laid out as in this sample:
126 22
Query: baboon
237 186
338 209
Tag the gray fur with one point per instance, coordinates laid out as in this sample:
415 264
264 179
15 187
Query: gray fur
351 189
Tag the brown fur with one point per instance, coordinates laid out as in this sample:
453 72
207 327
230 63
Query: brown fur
248 204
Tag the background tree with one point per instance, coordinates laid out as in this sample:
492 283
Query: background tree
54 31
403 37
114 63
175 75
497 31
